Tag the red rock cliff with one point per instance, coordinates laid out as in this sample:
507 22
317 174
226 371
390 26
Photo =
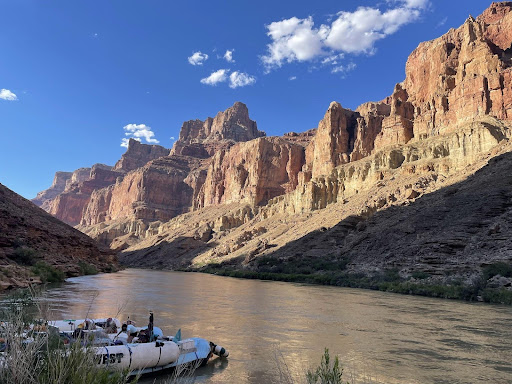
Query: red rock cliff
253 172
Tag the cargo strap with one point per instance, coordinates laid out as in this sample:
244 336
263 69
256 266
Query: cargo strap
108 356
129 350
159 357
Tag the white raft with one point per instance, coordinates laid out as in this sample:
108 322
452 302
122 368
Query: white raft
140 358
72 324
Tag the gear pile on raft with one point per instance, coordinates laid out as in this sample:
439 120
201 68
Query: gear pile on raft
139 350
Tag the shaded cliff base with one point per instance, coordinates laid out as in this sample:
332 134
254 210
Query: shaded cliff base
35 247
454 242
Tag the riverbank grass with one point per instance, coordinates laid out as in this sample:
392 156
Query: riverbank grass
333 272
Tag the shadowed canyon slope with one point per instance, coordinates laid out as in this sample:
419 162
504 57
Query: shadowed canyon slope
226 193
30 235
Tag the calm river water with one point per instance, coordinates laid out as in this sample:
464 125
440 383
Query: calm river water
380 337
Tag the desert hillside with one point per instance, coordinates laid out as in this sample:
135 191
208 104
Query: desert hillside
36 247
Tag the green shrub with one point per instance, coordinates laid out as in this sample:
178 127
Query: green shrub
420 275
497 295
87 269
499 268
326 373
24 256
47 273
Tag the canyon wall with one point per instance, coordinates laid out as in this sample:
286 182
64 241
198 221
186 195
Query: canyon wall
224 178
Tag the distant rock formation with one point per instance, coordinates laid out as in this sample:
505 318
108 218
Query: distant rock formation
137 155
203 139
59 184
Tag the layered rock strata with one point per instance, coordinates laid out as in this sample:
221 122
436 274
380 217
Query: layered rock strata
252 172
160 190
69 205
439 126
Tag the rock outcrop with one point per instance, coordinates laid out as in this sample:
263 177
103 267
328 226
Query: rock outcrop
69 205
462 75
440 125
137 155
59 184
331 145
203 139
252 172
30 235
160 190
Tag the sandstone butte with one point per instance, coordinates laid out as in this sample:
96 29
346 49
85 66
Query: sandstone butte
352 189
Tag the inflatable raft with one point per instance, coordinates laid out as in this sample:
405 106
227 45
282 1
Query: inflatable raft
139 350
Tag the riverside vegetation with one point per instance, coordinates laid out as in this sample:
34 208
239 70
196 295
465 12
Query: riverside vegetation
331 271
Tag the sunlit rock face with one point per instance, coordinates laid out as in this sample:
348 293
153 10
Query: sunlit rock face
204 138
252 172
138 154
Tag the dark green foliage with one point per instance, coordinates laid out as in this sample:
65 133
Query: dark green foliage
500 268
24 256
326 372
301 266
420 275
47 273
332 271
87 269
391 275
495 295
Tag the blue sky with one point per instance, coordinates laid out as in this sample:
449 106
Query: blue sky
77 76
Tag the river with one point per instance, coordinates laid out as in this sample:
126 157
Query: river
269 327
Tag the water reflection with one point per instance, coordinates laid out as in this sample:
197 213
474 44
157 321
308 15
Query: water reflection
270 325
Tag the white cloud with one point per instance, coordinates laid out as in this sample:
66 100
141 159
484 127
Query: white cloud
5 94
198 58
138 132
291 78
333 59
240 79
293 40
442 22
417 3
355 32
344 68
216 77
172 138
229 56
